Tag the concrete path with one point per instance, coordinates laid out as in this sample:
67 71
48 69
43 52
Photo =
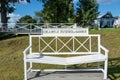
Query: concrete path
66 76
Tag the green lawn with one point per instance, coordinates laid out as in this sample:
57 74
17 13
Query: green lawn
11 56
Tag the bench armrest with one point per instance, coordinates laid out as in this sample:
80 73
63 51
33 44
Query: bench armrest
25 51
102 47
106 50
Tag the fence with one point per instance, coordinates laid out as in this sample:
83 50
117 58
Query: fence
32 28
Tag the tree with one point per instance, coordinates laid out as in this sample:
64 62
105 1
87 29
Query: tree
27 19
23 22
56 11
87 12
6 7
39 17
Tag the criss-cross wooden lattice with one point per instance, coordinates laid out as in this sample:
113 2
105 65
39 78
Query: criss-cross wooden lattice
72 44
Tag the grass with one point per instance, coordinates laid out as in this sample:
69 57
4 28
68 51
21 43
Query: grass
11 56
111 40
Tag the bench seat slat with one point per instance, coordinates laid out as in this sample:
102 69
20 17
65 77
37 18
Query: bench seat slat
85 59
68 60
47 60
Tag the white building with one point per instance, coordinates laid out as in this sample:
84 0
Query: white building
105 21
117 22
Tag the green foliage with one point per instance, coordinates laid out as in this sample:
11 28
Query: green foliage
96 27
11 9
56 11
27 19
39 17
87 12
4 36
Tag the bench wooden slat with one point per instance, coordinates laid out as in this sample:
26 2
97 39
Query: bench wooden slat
66 61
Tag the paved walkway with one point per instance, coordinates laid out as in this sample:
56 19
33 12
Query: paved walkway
66 76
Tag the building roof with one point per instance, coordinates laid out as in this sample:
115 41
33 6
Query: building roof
107 15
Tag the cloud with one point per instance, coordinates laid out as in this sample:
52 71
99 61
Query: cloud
23 1
74 1
100 1
106 1
13 19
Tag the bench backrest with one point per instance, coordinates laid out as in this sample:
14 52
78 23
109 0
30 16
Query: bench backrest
65 41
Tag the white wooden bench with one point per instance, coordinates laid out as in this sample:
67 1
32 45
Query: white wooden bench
72 41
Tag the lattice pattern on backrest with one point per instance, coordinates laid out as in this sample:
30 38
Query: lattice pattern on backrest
65 44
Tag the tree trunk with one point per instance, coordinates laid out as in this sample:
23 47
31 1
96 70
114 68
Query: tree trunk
4 15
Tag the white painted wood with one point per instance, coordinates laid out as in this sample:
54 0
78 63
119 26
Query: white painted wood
93 35
65 61
85 59
47 60
53 70
64 31
56 33
25 68
64 53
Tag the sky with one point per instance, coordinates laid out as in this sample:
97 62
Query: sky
109 5
28 8
23 9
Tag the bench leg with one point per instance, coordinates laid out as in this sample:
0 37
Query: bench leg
25 70
105 69
30 64
65 67
99 65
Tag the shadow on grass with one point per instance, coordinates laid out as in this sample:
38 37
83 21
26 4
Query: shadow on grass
114 68
39 74
4 36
